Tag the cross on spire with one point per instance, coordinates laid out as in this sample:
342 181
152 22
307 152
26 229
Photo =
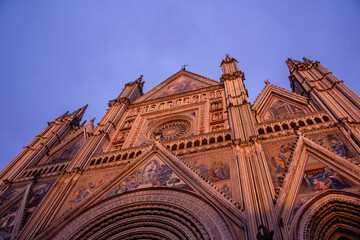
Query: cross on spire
184 66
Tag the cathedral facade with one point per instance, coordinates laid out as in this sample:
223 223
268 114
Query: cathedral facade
193 159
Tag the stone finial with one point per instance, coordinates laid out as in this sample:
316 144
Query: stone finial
267 82
139 79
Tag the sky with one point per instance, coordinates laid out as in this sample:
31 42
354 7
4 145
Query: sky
57 56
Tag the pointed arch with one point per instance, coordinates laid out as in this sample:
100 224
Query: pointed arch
332 213
151 213
294 176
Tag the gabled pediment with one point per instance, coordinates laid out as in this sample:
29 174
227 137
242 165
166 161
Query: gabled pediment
276 103
182 81
155 168
313 171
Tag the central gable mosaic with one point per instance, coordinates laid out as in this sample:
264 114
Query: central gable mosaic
179 85
154 173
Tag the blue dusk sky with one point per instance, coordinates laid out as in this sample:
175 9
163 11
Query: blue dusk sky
57 56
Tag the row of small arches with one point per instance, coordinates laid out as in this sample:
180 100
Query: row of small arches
114 158
197 143
176 102
293 124
44 170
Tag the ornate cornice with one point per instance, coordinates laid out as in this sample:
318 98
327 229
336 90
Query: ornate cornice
235 75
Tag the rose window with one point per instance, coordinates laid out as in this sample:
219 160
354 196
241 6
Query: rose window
170 130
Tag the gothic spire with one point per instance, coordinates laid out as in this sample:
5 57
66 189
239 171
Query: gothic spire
229 65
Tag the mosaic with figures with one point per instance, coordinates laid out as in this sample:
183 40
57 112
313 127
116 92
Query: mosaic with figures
11 194
180 85
279 109
36 195
318 178
333 142
7 221
278 155
215 169
7 217
153 174
70 152
86 186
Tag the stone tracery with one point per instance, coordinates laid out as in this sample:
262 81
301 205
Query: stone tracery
170 129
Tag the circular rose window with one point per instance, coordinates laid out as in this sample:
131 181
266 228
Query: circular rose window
170 130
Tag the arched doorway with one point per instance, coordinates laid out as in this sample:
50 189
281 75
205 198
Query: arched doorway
332 215
160 213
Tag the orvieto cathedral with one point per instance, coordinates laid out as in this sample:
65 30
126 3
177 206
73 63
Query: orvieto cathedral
194 159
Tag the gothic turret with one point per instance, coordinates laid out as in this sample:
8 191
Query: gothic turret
313 80
328 93
40 147
133 90
249 154
237 100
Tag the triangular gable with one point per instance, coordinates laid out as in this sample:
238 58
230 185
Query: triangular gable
275 103
87 186
153 173
157 167
21 202
36 195
70 146
182 81
317 178
7 220
11 194
69 151
309 158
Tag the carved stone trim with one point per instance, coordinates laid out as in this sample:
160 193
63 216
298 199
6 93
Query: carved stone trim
189 214
318 216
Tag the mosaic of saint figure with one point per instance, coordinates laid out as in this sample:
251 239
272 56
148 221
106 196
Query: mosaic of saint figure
279 159
280 162
326 179
218 171
13 192
153 174
338 147
84 191
226 190
180 86
163 177
71 151
37 196
150 171
280 109
332 141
